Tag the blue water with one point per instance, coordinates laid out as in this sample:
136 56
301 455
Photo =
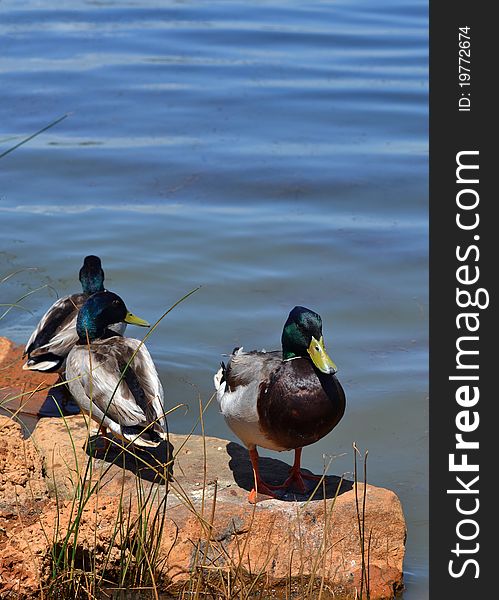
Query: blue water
274 153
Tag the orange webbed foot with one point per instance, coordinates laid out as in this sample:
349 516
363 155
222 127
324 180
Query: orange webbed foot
262 489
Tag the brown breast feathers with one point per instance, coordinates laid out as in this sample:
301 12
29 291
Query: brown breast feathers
298 405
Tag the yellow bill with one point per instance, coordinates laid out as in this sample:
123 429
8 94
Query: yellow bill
133 320
320 357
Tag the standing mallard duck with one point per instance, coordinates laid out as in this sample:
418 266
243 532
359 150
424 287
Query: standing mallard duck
112 378
55 334
282 400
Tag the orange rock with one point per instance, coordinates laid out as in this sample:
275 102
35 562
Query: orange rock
21 391
211 525
23 498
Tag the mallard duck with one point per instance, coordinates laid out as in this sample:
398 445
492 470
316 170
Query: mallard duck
55 334
112 378
282 400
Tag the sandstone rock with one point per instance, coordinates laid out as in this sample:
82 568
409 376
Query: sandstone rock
210 523
21 391
5 348
21 475
23 497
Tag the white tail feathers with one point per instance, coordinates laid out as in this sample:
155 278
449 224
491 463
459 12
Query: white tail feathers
44 365
217 379
137 440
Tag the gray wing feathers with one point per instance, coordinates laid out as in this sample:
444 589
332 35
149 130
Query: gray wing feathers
62 342
61 317
245 368
147 375
101 391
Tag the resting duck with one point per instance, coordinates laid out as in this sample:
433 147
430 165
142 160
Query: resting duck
282 400
55 334
112 378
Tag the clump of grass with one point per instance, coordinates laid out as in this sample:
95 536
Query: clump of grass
130 559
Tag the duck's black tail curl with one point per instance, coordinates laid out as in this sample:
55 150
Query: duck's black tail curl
224 370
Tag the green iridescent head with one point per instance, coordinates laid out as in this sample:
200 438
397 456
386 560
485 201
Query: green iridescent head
101 310
302 337
92 275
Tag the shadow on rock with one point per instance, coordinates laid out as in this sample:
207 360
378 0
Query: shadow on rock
150 464
58 401
275 472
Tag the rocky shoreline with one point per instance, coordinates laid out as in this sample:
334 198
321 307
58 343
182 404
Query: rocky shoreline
208 523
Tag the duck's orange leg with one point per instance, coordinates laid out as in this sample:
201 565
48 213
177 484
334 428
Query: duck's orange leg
260 486
101 435
296 476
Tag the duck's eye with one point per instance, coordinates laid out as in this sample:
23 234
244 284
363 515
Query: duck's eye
317 349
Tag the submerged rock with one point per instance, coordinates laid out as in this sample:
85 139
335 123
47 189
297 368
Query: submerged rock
208 529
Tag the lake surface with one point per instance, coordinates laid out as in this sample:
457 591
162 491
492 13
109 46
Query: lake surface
274 153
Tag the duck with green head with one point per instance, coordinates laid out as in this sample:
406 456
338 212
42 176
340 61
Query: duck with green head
113 378
55 334
282 400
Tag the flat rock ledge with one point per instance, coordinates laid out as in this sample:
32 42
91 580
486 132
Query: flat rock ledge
209 529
